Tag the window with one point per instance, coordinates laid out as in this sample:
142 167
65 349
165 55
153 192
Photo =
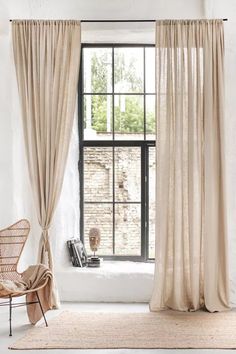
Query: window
117 149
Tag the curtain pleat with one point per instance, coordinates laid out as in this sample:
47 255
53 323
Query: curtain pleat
47 58
191 241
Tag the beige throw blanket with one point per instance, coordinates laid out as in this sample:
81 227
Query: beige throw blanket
32 278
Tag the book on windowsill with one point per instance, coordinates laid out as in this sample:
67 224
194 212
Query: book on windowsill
74 253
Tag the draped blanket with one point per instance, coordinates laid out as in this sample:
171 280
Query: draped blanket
34 278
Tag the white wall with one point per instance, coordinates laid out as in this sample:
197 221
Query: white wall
15 197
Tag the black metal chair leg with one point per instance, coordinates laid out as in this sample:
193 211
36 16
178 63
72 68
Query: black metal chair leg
41 309
10 313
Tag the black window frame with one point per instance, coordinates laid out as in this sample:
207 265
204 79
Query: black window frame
144 147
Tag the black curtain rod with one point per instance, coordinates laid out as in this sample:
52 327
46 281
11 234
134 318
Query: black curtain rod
224 19
111 21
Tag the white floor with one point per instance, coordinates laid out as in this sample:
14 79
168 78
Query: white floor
20 325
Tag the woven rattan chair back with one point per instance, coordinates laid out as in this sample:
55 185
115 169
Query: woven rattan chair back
12 242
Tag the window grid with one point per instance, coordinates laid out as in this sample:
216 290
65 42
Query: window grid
143 144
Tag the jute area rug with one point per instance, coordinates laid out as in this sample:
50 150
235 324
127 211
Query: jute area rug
165 329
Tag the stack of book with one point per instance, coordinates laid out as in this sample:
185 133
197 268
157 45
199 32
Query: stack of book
94 262
77 253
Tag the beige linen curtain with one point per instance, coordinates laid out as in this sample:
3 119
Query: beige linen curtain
47 56
191 242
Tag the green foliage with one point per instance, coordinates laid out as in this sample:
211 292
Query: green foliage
150 122
131 120
126 74
99 113
99 71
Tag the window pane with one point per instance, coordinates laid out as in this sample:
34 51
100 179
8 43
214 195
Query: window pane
98 173
128 174
100 216
97 72
152 204
150 70
129 117
128 229
97 117
118 115
150 117
128 67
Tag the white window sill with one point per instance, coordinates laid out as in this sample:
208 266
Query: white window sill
113 281
114 267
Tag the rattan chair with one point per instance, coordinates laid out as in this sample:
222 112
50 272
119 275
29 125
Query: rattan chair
12 242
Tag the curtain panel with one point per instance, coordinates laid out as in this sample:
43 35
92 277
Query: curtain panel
191 241
47 58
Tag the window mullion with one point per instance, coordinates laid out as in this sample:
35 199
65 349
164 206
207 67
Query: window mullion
143 199
144 96
147 201
113 156
113 200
